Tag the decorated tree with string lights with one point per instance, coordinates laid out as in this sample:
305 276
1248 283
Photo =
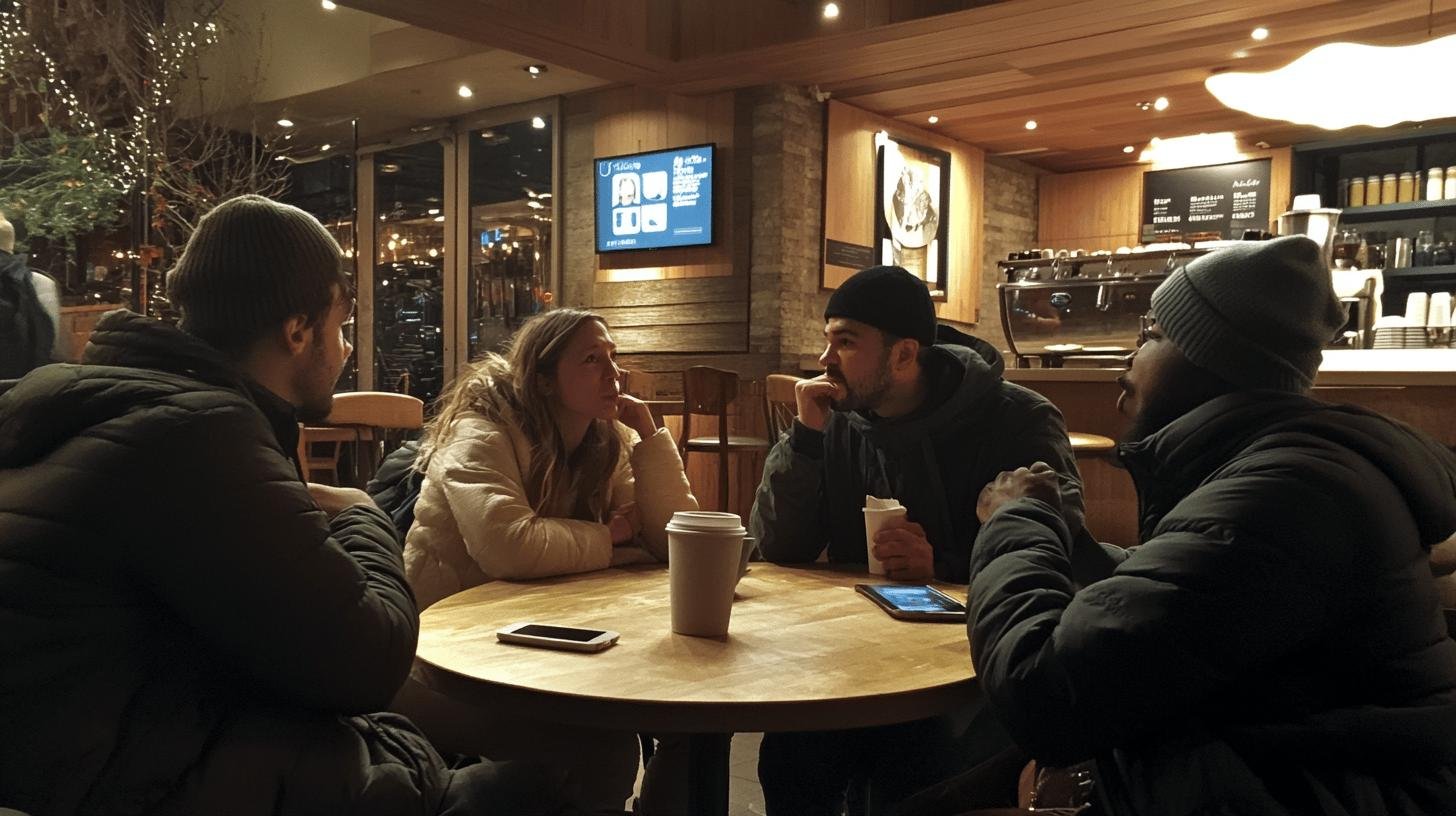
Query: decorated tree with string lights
105 137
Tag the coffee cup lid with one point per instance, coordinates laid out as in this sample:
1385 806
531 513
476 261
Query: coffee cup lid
708 521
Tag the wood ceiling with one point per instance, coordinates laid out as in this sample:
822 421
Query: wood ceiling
1077 67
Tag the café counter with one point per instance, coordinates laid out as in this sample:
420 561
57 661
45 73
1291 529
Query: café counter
1416 386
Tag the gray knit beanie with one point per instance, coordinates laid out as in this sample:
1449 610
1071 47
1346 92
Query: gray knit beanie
1257 314
252 264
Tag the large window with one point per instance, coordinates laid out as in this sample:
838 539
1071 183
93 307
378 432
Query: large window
409 270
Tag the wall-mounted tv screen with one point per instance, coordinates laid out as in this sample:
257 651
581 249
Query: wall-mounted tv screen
655 200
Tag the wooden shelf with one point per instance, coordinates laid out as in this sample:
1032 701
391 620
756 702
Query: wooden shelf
1444 271
1407 209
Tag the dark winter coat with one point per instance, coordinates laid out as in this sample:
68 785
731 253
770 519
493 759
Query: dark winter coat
934 461
181 628
1274 647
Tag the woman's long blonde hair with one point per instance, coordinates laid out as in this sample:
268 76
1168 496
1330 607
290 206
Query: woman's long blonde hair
511 388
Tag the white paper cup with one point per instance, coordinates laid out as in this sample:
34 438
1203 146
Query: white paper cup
703 552
875 518
1439 314
1416 304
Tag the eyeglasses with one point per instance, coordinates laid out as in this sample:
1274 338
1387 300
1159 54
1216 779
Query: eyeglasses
1145 328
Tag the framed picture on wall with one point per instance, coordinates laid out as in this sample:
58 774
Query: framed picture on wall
912 197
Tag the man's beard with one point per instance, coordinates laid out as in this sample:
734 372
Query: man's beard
1182 389
864 399
315 387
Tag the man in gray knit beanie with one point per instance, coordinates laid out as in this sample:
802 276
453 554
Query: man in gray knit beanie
1275 644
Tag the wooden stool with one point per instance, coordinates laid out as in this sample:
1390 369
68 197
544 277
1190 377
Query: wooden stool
1085 444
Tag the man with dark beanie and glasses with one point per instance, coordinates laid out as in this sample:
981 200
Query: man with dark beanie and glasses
1275 645
185 626
920 413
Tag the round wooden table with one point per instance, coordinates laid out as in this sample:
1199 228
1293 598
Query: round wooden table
804 652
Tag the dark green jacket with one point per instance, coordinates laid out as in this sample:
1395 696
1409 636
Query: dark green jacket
1274 647
181 628
935 461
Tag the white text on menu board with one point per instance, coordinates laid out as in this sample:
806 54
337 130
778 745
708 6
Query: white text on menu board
1245 204
1204 208
687 177
1160 212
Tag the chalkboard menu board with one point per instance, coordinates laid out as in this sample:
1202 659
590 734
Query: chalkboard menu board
1222 198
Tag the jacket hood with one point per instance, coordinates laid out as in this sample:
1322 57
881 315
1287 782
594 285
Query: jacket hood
974 367
130 360
1179 457
13 265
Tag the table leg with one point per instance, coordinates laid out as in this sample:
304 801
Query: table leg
708 774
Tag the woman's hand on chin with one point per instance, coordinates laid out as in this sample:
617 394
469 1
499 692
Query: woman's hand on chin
635 414
625 524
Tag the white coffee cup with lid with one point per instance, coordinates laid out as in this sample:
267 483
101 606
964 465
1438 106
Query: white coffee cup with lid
703 553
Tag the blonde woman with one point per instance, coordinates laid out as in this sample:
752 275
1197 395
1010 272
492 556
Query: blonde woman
537 465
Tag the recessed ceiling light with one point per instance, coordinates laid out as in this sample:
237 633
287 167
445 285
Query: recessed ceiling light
433 211
1143 105
329 5
1128 148
421 128
389 167
1260 33
285 123
1031 124
325 147
831 11
1161 103
537 122
1240 54
933 119
465 92
535 70
439 218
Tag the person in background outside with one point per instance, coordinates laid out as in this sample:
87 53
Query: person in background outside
30 312
536 465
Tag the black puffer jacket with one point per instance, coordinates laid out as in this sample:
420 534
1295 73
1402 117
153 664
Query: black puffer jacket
180 626
935 461
1274 647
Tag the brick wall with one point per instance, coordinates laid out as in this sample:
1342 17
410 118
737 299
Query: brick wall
1009 216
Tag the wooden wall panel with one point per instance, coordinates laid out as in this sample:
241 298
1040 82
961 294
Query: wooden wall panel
1102 209
849 191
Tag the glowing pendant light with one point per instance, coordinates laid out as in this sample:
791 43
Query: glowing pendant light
1341 85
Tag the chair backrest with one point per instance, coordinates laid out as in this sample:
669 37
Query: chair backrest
640 384
377 409
708 391
779 403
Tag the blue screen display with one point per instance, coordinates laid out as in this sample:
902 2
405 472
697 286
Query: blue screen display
655 200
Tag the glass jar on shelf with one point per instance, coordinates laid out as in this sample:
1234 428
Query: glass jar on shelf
1406 187
1372 191
1450 184
1443 253
1356 195
1389 188
1346 248
1435 184
1424 247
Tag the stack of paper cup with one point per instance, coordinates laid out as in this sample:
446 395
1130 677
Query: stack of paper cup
1438 316
876 512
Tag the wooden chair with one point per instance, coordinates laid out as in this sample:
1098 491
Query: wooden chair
709 391
780 404
378 418
640 384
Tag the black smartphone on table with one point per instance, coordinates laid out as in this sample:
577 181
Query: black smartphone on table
914 602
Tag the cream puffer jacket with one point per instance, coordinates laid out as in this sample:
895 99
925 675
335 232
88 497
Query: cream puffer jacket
473 523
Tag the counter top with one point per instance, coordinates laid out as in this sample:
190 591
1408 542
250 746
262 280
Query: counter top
1341 368
91 307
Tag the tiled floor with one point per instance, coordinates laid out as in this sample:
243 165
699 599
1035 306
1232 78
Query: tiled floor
745 797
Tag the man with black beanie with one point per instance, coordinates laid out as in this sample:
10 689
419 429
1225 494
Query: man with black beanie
912 411
187 626
1275 645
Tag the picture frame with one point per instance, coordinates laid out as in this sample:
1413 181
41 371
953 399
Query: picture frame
912 206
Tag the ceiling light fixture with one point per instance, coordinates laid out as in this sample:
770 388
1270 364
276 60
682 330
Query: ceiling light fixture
1261 33
1189 151
465 92
933 119
1241 54
831 11
285 123
1161 103
1143 105
325 147
538 123
329 5
535 70
1315 89
1031 124
1128 148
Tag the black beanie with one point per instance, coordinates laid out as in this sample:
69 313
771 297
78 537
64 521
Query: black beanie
251 264
888 298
